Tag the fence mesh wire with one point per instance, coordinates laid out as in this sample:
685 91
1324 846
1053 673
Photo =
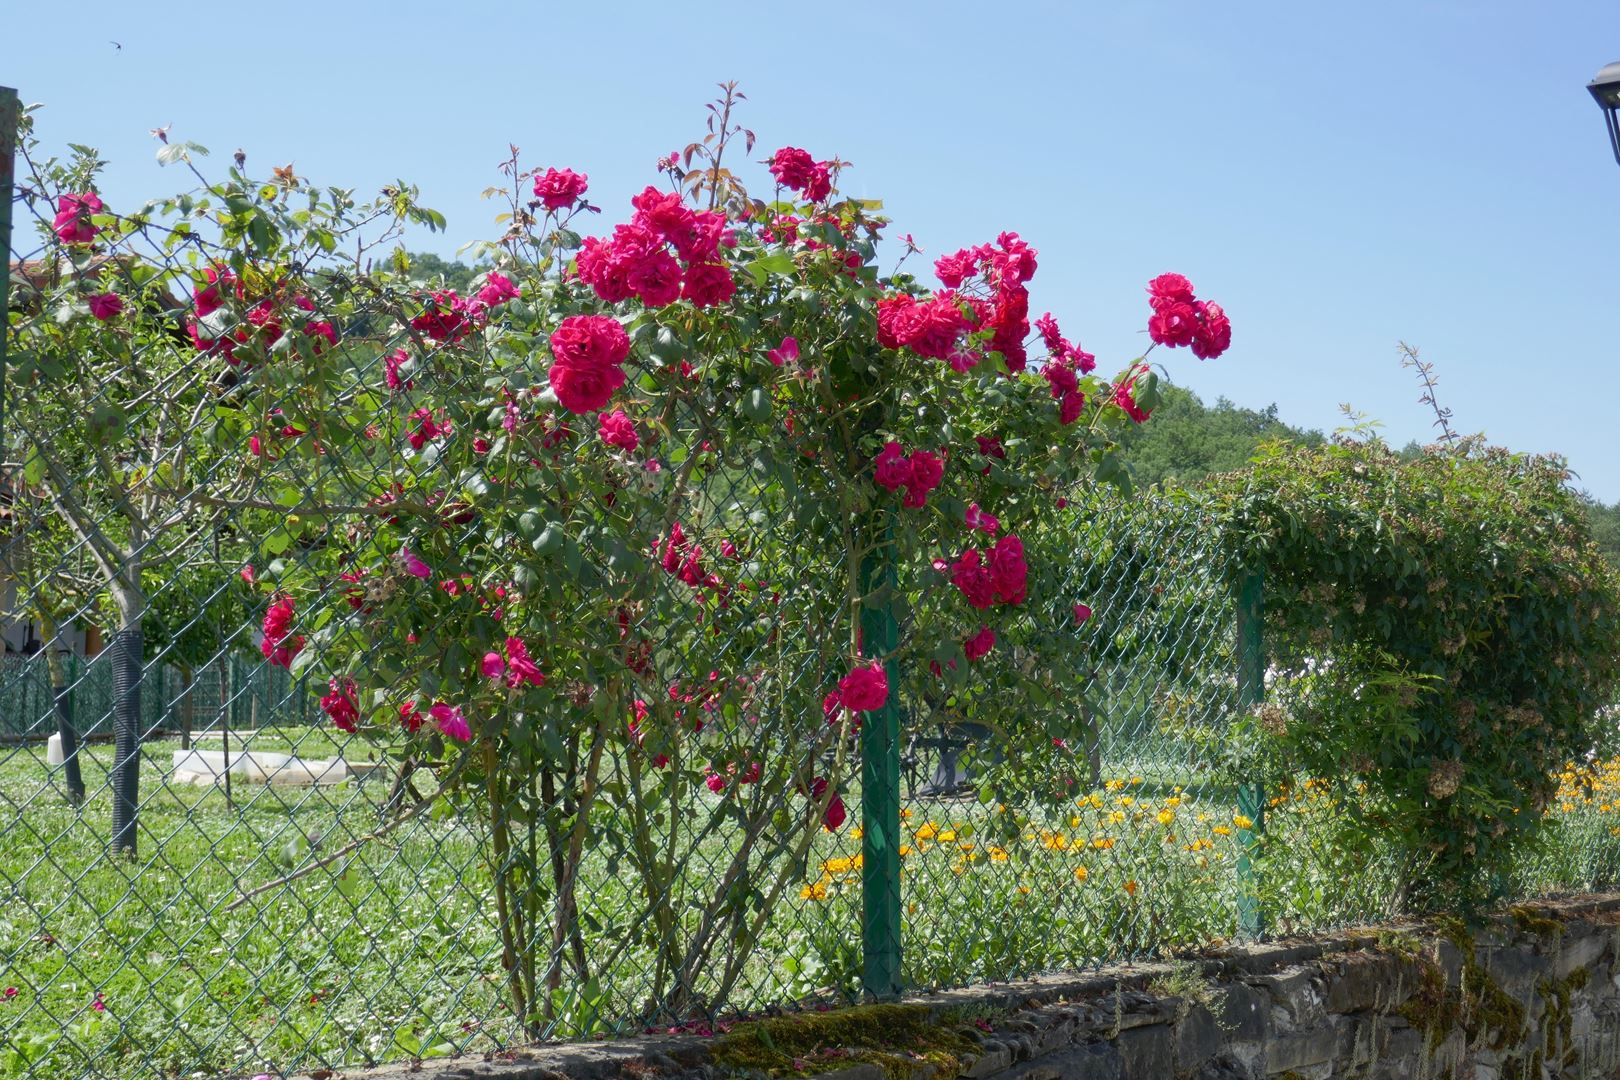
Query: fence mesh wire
202 875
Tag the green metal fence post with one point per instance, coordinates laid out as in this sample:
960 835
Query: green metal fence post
10 117
880 791
1251 658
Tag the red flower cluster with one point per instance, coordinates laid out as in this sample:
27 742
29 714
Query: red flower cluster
1126 399
682 558
919 473
517 669
263 319
979 644
832 818
1065 363
1000 578
616 429
637 260
339 704
277 646
586 353
796 169
1179 318
557 188
864 689
995 300
72 222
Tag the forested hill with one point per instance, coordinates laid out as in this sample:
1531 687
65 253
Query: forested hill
1187 440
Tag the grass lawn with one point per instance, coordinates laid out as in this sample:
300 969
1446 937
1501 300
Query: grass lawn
393 952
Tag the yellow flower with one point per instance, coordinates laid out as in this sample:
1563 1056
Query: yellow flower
1165 817
947 836
1242 821
838 866
905 849
1055 841
1103 842
1124 800
1136 780
905 814
998 854
1095 801
1130 887
1114 785
856 833
818 891
927 832
1222 830
1081 873
1023 890
1174 800
1116 817
1074 821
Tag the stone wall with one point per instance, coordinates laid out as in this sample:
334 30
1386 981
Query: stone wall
1533 994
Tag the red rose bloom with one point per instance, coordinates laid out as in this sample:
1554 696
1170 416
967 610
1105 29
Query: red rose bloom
979 644
864 689
590 339
708 284
792 167
972 578
1169 289
892 470
558 188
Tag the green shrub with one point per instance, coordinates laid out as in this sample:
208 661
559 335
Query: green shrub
1443 633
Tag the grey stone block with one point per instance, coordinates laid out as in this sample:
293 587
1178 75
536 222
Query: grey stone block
1095 1061
1225 1067
1300 1050
993 1058
1197 1039
1243 1013
1147 1052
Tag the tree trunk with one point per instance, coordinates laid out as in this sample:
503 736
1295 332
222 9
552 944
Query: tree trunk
62 697
128 660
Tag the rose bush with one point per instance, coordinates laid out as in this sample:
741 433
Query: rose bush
594 543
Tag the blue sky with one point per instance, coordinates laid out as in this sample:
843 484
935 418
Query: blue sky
1340 177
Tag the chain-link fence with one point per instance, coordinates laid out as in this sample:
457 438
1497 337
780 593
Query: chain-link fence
243 460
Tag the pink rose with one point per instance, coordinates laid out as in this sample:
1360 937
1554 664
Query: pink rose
979 644
521 668
72 221
339 705
891 468
973 580
663 213
414 566
1214 331
978 519
105 305
957 268
450 721
590 339
1173 324
493 667
792 167
557 188
708 284
1082 612
1169 289
715 782
833 817
445 317
926 472
616 429
1008 570
818 185
865 688
656 279
497 290
785 353
583 388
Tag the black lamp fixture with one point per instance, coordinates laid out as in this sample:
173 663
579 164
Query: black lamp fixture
1606 89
